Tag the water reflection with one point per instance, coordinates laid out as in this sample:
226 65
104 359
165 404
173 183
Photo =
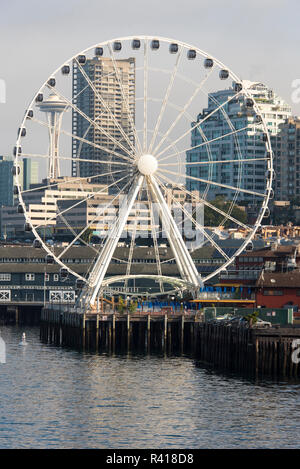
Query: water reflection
60 398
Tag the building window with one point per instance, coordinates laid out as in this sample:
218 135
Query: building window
5 277
273 292
29 277
55 277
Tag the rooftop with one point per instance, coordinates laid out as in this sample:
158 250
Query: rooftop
280 251
279 279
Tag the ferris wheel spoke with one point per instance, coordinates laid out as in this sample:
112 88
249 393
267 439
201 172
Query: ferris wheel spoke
103 103
84 140
90 196
210 170
200 228
219 184
202 144
92 221
227 119
104 259
237 160
79 160
125 98
166 99
184 261
145 96
71 229
154 237
179 116
207 204
100 147
132 243
81 139
122 261
98 80
198 124
231 126
91 121
79 179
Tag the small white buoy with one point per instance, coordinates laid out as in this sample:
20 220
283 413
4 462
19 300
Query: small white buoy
23 341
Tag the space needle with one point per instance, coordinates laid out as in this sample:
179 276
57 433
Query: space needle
54 107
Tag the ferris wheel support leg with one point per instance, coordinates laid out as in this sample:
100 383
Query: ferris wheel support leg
183 258
102 262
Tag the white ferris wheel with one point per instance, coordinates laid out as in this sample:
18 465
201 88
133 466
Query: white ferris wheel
136 125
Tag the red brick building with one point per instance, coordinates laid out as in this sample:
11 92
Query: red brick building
278 290
249 265
275 258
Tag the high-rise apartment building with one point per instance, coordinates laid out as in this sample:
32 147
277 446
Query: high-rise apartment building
104 92
245 144
9 217
6 181
30 170
286 147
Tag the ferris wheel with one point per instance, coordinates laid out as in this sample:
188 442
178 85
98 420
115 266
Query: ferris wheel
140 135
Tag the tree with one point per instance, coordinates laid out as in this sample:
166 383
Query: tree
133 307
121 305
213 218
252 318
283 215
86 235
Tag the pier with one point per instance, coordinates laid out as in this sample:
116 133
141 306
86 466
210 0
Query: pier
111 333
258 352
21 313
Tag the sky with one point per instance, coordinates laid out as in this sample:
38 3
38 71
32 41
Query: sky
257 39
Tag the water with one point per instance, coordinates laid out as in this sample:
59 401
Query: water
59 398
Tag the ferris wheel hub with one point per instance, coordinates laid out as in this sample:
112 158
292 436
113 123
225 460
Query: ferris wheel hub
147 165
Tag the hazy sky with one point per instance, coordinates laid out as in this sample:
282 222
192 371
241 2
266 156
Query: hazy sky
257 39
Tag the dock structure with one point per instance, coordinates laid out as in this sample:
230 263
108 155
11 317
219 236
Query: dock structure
119 332
259 352
19 313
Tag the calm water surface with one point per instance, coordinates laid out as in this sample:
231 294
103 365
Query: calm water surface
58 398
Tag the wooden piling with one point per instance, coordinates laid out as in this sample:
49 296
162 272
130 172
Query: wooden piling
97 333
165 332
109 326
148 333
128 332
113 333
169 337
83 330
181 333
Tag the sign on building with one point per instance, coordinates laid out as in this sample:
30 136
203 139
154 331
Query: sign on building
5 295
58 296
